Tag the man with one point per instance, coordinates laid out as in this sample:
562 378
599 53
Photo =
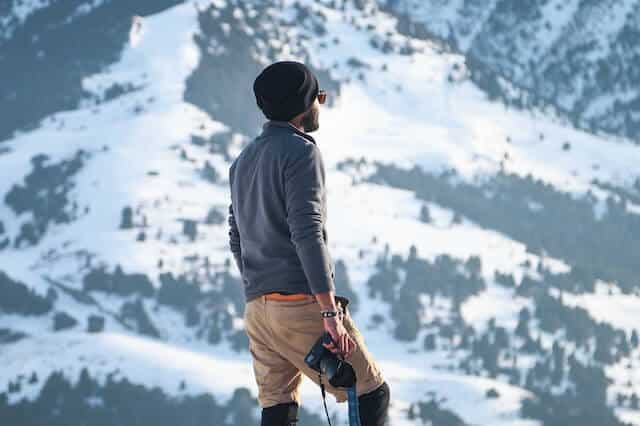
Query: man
278 238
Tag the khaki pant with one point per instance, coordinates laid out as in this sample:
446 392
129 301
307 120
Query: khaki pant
281 333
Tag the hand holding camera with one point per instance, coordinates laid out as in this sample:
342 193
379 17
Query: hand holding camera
338 372
341 343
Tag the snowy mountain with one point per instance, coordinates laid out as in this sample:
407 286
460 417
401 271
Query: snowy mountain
579 58
491 252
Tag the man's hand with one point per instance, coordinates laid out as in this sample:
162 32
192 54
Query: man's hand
345 343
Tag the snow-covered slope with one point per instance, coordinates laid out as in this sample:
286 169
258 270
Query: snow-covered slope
579 57
464 231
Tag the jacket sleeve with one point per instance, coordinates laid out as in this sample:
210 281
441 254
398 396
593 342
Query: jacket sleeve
304 188
234 235
234 239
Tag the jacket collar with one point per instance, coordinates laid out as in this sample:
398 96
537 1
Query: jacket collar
285 125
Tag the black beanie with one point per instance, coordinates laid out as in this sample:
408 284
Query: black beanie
285 89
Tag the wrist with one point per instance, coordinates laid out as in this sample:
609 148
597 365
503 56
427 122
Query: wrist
329 313
332 314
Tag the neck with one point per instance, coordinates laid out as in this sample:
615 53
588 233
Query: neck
298 125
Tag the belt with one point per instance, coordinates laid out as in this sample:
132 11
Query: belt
280 296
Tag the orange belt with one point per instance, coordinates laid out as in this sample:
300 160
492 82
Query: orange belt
296 296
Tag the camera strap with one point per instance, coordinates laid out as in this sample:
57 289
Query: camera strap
354 411
324 400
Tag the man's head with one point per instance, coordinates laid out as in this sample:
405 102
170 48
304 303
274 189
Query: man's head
288 91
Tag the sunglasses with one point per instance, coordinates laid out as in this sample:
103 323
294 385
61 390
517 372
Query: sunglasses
322 96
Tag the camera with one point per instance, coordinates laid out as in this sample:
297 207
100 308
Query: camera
338 372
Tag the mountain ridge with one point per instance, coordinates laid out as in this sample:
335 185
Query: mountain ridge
477 315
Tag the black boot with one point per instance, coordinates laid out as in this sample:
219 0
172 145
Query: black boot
280 415
374 406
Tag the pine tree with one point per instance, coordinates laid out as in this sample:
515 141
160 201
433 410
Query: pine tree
126 222
425 215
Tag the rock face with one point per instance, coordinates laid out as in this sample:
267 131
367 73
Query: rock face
580 57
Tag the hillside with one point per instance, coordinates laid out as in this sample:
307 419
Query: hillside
491 250
577 58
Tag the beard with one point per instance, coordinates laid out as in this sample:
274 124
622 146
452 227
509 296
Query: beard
311 120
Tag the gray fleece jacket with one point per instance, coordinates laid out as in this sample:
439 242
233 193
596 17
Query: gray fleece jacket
278 213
